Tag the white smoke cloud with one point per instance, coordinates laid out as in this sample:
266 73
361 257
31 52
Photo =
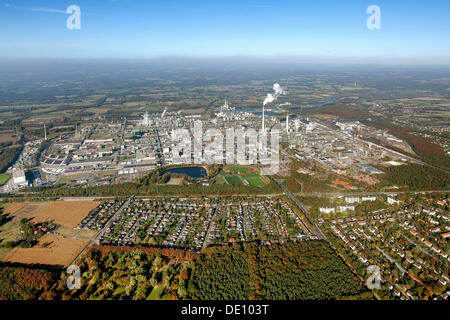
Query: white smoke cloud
277 92
269 98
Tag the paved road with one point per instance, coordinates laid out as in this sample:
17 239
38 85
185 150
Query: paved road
316 231
420 248
110 221
349 194
205 241
315 194
107 225
392 260
137 197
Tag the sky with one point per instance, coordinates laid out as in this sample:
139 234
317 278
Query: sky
325 30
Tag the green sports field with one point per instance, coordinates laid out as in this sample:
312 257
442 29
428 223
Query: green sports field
234 180
221 180
255 181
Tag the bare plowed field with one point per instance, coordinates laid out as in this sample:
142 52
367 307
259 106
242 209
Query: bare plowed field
66 213
51 250
14 207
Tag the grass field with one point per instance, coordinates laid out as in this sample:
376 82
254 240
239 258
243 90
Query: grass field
10 231
255 181
221 180
4 178
68 232
156 293
234 180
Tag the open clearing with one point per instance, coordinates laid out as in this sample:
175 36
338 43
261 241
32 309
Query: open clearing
51 250
14 207
221 180
67 232
65 213
255 181
4 178
234 180
175 181
17 211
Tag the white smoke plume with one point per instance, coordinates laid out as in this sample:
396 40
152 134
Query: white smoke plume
269 98
272 97
278 90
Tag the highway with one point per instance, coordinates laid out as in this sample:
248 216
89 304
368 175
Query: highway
19 196
381 193
316 231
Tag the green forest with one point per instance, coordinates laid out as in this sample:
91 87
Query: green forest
418 177
293 270
8 156
125 189
126 273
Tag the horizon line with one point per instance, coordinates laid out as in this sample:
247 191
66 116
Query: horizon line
253 59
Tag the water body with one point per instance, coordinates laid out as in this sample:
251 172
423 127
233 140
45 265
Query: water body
193 172
322 102
328 99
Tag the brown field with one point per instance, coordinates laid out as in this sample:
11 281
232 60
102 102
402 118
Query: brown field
7 136
14 207
66 213
194 111
51 250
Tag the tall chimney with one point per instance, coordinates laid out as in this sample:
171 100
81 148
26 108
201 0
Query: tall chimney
287 124
263 127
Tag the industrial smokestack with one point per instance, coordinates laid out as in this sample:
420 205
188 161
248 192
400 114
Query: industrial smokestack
263 127
270 98
287 124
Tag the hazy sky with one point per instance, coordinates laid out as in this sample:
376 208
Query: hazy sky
326 29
